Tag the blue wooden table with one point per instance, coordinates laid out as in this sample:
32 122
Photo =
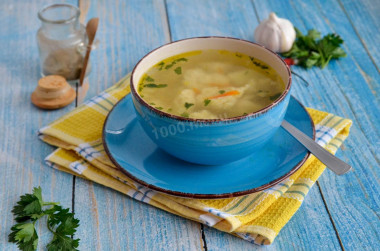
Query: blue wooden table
339 212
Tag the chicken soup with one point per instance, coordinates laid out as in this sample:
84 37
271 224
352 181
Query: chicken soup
210 84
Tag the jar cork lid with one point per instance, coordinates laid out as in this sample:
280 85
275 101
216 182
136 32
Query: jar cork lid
53 92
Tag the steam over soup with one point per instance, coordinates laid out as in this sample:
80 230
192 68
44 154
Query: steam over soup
210 84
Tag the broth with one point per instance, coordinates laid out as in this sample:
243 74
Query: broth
210 84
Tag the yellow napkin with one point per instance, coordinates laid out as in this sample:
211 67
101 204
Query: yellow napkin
257 217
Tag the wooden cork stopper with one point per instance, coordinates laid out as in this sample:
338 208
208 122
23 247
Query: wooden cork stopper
53 92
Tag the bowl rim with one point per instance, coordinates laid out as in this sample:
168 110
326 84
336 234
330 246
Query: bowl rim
209 121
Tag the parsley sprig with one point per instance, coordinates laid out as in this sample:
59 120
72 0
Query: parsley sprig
309 50
60 222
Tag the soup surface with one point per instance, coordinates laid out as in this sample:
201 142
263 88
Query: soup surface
210 84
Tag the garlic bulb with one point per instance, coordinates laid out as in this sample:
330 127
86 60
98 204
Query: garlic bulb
275 33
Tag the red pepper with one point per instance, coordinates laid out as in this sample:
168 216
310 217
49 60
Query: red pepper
289 61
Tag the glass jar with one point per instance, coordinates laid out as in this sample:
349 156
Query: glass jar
62 42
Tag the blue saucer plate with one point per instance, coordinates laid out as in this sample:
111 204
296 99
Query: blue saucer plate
136 155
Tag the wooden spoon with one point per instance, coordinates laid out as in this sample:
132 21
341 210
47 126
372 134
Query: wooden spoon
91 28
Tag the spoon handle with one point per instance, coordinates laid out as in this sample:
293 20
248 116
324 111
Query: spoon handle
91 28
331 161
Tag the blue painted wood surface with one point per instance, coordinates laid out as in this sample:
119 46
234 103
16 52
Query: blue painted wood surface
339 212
353 199
21 152
126 33
246 24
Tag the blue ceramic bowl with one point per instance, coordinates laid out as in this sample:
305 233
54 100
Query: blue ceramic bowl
211 141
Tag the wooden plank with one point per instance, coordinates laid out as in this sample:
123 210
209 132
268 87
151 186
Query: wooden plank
344 89
364 17
110 220
127 31
229 18
211 18
113 221
21 152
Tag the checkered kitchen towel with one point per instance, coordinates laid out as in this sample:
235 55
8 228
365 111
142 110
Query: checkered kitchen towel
257 217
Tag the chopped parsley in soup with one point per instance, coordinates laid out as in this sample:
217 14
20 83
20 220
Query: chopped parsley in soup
210 84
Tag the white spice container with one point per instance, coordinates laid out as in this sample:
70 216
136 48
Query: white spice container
62 42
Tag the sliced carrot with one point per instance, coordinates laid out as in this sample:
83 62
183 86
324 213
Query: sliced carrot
196 90
230 93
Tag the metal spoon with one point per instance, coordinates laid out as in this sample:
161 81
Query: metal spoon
91 28
331 161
